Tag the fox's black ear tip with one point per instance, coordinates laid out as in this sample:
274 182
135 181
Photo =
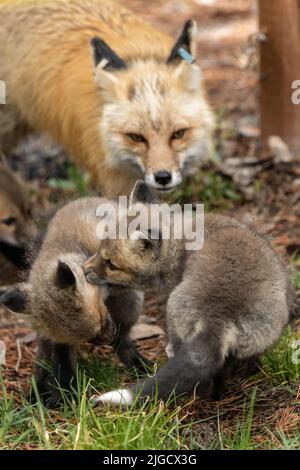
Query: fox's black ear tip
189 27
101 50
95 41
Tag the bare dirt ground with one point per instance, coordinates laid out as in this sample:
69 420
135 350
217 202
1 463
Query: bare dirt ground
269 187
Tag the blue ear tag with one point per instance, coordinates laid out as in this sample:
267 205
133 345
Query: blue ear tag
185 55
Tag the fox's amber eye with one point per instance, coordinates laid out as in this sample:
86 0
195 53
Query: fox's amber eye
178 134
110 265
9 221
138 138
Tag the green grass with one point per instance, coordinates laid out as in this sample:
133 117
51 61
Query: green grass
237 425
209 188
80 425
280 363
242 436
77 182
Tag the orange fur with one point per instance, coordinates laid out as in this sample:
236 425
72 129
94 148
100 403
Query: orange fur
47 65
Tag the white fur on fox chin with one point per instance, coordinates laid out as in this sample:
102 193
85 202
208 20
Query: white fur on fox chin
123 397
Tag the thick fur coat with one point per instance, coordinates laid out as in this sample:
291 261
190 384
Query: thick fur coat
107 86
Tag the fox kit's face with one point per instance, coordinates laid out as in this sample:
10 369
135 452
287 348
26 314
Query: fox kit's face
93 321
67 309
136 261
155 117
15 213
130 263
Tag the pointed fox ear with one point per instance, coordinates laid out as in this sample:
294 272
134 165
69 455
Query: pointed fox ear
142 193
64 276
16 299
105 57
106 61
69 273
186 41
148 241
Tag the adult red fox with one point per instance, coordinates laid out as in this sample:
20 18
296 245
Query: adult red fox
131 107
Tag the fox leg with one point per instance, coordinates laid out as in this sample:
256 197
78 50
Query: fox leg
42 369
55 368
125 308
193 368
234 367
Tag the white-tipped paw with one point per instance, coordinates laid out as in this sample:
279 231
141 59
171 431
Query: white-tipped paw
123 397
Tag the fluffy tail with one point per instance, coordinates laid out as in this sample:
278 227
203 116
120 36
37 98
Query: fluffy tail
193 368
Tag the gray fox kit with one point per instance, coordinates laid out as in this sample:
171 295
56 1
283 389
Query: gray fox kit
229 301
63 307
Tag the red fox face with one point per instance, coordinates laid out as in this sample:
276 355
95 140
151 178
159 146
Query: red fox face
155 116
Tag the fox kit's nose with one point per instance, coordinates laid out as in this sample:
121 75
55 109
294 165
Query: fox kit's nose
93 278
163 177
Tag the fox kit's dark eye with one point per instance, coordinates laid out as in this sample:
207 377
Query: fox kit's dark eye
178 134
138 138
110 265
9 221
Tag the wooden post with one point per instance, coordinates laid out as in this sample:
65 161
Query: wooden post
279 69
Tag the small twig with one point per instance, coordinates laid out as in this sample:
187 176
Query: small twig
19 352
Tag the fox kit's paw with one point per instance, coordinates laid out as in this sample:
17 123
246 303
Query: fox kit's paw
123 397
132 358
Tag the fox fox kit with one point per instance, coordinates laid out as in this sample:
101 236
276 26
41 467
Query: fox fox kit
230 301
63 307
16 226
137 109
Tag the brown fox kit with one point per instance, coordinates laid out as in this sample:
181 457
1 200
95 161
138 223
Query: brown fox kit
230 301
63 307
138 111
16 227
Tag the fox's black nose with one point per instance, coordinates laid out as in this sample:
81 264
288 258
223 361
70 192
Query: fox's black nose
163 177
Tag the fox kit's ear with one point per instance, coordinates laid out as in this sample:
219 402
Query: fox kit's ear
187 42
142 193
69 272
106 61
150 241
16 299
64 276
